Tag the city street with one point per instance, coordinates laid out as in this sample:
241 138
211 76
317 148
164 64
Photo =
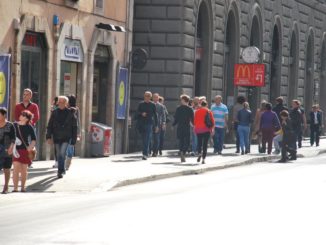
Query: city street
264 203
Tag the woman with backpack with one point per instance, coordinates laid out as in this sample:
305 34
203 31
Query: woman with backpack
203 127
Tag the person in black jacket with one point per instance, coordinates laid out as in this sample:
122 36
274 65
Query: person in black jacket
315 117
184 117
279 107
288 141
62 130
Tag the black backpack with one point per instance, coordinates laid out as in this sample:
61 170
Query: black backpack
208 121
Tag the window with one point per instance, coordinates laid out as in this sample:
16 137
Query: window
99 4
99 7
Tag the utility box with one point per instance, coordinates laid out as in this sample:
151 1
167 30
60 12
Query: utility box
100 139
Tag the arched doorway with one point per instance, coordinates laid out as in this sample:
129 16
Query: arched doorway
276 60
309 73
322 93
293 69
231 57
203 52
255 40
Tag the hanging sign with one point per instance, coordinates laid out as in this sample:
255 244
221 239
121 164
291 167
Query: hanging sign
72 51
5 80
122 92
252 75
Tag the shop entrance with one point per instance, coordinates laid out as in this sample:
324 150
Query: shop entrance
100 85
68 78
33 76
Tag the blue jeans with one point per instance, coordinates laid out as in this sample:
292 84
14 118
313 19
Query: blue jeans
156 143
218 139
70 151
194 140
244 132
146 137
61 150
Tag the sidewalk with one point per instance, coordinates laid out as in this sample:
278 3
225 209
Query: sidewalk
103 174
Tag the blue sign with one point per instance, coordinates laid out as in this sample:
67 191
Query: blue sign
5 80
122 93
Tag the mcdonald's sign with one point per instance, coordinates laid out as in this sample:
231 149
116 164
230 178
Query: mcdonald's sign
252 75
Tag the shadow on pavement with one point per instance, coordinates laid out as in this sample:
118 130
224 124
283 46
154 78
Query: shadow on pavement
37 172
42 185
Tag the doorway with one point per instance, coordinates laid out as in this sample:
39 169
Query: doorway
275 80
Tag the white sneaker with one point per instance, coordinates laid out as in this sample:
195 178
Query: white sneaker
55 165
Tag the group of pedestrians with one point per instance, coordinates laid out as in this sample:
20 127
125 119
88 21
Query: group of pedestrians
18 138
196 123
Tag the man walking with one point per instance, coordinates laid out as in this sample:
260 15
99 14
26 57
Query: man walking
236 108
279 107
298 118
163 130
315 125
161 123
146 121
62 130
220 112
27 104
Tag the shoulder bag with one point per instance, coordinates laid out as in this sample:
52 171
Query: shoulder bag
32 153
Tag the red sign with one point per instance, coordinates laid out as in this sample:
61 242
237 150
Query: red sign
252 75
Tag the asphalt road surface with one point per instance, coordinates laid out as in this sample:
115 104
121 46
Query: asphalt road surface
266 203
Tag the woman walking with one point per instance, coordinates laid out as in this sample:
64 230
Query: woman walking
256 133
21 160
7 142
204 126
244 121
269 124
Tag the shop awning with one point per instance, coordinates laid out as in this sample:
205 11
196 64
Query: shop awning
111 27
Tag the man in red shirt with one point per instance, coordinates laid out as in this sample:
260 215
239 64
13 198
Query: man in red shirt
27 104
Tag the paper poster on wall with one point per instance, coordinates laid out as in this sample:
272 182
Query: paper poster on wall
122 92
5 80
66 83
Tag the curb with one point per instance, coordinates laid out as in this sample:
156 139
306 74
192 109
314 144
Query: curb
202 170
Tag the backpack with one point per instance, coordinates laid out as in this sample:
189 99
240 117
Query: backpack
208 121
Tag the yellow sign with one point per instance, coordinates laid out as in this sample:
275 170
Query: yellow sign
122 93
244 71
2 87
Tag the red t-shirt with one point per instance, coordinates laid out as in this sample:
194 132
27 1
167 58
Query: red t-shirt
199 121
32 107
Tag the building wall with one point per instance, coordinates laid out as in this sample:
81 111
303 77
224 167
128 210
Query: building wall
77 21
167 30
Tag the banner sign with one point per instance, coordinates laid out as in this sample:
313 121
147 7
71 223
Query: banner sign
72 50
122 93
5 80
252 75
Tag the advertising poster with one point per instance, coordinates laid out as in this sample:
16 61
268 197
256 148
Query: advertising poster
5 80
122 93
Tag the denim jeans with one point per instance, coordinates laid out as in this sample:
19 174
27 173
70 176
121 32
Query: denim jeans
194 140
162 136
70 151
218 139
146 137
156 143
244 132
61 150
277 140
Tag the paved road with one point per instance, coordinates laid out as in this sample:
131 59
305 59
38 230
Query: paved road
265 203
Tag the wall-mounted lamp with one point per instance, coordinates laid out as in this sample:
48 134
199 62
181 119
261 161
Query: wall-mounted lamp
16 24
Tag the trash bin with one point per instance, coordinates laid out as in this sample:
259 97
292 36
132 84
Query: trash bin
100 139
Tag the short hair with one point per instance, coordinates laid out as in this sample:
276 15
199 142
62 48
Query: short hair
296 102
29 115
246 105
3 111
316 106
161 99
279 100
65 98
148 93
72 100
204 103
219 97
28 90
268 106
284 113
202 98
241 99
185 98
263 104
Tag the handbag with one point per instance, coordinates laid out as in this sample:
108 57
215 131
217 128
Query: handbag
208 121
32 153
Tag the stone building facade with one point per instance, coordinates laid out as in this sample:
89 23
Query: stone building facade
193 45
57 48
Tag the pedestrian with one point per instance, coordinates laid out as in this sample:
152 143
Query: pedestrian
204 127
315 125
163 129
236 108
7 142
279 107
194 141
71 148
269 124
62 131
244 122
256 133
53 107
183 118
298 120
28 105
146 121
25 143
288 140
161 123
220 112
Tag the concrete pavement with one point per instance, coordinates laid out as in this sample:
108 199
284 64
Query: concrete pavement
103 174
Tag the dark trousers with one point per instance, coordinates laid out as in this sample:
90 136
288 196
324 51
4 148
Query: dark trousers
314 134
202 143
288 148
156 141
268 135
162 136
146 137
237 136
298 133
218 139
184 142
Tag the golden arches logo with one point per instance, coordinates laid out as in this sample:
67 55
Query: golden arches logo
2 87
244 71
